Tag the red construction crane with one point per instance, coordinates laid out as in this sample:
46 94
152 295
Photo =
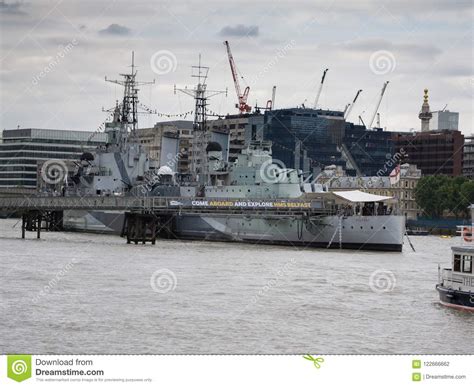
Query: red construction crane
242 97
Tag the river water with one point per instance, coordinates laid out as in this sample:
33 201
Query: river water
73 293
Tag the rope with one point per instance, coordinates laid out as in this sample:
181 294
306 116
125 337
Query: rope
338 228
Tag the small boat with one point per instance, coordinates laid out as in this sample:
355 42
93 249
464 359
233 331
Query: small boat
456 284
417 231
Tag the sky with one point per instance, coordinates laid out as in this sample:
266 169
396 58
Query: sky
55 54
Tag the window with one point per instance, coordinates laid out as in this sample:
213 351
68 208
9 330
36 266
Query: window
457 263
467 264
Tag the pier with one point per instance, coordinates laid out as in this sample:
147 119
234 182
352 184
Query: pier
148 218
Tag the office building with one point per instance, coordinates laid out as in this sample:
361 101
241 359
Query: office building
21 151
433 152
444 119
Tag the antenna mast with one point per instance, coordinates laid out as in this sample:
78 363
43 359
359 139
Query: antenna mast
200 95
129 106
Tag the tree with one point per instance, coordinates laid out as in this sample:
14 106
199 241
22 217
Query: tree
467 195
436 194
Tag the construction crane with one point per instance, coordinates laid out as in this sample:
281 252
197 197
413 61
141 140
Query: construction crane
273 96
270 103
315 106
345 109
378 105
242 97
348 109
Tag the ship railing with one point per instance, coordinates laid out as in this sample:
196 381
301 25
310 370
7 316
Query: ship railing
450 279
138 204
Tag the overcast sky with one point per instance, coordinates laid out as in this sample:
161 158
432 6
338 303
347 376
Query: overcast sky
55 54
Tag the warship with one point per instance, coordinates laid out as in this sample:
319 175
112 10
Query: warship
351 219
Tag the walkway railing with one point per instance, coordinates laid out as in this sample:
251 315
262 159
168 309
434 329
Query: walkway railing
162 204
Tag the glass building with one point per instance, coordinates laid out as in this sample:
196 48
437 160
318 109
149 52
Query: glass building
22 150
310 140
372 150
305 139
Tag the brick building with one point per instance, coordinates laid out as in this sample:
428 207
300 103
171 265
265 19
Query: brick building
437 152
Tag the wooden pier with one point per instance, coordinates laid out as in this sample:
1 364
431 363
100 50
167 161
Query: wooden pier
142 228
37 220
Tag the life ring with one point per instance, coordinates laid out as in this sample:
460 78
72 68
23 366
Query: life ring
467 233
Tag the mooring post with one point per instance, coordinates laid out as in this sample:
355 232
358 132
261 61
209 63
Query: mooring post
124 225
153 230
38 229
144 223
23 225
136 229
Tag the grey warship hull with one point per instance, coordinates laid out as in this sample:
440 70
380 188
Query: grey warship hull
382 233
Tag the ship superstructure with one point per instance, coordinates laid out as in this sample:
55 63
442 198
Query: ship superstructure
123 163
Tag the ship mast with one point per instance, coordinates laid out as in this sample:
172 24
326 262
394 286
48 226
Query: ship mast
200 95
129 107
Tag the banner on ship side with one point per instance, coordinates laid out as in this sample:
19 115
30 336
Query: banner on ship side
238 203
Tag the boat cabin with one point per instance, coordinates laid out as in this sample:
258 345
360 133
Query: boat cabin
463 259
460 276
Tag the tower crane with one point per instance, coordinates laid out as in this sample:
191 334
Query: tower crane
242 97
270 103
273 96
378 105
347 112
315 106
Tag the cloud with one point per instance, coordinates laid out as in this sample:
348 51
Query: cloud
239 30
11 8
370 45
115 29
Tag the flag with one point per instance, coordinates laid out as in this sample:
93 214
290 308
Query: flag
395 175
